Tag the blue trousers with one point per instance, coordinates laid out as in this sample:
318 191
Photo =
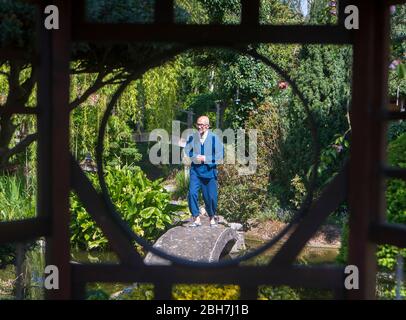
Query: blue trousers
209 191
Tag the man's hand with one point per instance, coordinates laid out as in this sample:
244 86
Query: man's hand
201 158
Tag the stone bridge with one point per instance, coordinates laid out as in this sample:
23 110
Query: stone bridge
204 243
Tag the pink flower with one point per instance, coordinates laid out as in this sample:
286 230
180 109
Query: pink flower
283 85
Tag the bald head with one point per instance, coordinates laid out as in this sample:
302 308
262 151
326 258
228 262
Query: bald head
203 124
203 120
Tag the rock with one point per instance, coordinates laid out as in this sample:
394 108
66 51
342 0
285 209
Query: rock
239 244
204 243
235 226
221 220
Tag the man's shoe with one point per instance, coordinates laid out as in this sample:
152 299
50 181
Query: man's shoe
196 223
213 222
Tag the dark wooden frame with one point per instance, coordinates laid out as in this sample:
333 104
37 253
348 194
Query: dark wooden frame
361 181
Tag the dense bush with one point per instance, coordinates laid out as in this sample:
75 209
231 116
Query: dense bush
386 286
277 293
144 205
275 190
395 129
205 292
397 72
17 198
396 207
196 292
181 184
396 201
243 197
96 294
17 202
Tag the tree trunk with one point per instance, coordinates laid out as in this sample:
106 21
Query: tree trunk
19 285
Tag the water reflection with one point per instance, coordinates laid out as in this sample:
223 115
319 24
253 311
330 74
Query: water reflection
309 255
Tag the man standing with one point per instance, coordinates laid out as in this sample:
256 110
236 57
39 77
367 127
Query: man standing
205 150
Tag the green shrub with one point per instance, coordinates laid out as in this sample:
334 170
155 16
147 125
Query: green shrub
342 256
119 291
386 286
395 129
205 292
396 201
396 207
144 205
141 291
182 185
17 200
244 197
96 294
277 293
241 202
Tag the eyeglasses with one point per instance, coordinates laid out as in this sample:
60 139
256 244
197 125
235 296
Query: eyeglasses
201 125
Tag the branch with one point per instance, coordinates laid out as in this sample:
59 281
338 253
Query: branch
13 82
84 68
22 145
7 129
119 77
28 85
123 76
115 80
93 88
118 92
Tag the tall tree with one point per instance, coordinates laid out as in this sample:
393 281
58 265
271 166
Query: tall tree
113 64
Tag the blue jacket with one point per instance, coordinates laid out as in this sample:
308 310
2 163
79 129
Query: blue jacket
212 149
